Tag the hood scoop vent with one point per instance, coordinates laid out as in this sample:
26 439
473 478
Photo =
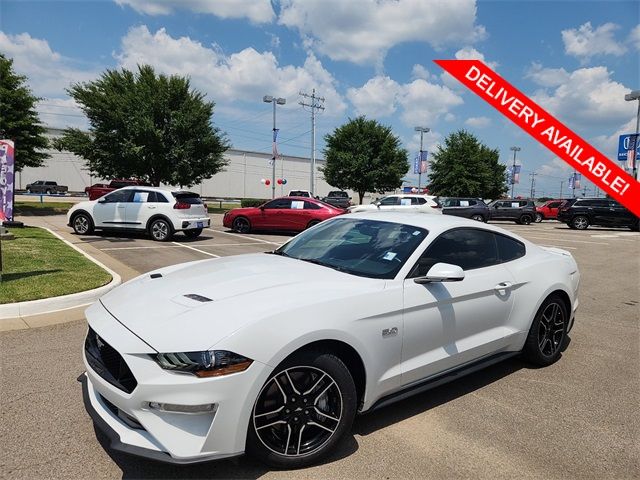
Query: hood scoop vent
198 298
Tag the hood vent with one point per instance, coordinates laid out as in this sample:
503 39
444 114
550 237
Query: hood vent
198 298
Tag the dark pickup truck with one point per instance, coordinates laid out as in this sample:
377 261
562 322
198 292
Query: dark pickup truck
338 199
99 189
46 186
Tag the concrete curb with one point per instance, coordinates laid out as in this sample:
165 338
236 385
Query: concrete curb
63 302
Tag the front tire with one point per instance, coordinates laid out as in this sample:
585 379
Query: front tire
548 332
538 218
580 222
193 233
303 411
161 230
524 220
478 218
82 224
241 225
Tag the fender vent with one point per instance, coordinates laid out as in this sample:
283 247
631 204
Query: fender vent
198 298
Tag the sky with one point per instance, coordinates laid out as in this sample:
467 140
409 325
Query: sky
577 59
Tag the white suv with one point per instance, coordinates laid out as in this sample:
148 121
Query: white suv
160 212
402 202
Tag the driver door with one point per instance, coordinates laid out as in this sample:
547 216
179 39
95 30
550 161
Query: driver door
110 210
449 324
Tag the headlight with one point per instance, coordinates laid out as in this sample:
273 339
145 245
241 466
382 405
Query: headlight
211 363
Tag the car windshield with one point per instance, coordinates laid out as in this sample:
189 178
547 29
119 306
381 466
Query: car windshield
338 194
366 248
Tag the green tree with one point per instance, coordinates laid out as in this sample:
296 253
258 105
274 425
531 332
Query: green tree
364 156
18 118
153 127
466 167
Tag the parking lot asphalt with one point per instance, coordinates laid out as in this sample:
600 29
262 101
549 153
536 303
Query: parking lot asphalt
578 418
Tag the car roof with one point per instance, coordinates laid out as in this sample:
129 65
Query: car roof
433 223
417 195
155 189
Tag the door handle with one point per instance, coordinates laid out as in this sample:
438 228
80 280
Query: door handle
150 207
503 286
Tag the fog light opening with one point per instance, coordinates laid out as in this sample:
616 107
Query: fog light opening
186 409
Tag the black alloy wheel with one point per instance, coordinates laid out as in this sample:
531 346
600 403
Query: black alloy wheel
302 411
580 222
241 225
193 233
525 220
548 332
82 224
161 230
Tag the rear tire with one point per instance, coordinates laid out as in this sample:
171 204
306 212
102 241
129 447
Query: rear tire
548 332
302 436
313 223
48 192
478 218
82 224
580 222
192 233
161 230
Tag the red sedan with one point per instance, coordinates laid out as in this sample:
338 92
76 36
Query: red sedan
285 213
548 211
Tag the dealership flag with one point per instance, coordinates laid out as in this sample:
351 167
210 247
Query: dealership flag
275 142
631 152
6 178
515 176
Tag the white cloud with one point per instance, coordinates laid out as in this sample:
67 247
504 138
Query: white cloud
556 167
547 77
48 73
588 98
419 71
257 11
61 113
634 38
478 122
466 53
585 42
422 103
363 31
245 75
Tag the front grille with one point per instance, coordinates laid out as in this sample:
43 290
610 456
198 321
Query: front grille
108 363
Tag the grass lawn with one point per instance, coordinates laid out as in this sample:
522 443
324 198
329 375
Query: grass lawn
214 207
38 265
45 208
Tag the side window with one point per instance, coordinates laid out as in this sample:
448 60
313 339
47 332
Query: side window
466 203
141 197
554 204
466 247
279 203
311 206
118 196
450 202
418 201
508 248
389 201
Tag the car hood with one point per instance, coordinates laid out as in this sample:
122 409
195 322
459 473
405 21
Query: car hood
192 306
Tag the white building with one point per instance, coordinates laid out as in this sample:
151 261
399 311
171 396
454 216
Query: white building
239 179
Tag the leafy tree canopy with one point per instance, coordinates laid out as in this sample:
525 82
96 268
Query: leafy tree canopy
18 118
148 126
466 167
364 156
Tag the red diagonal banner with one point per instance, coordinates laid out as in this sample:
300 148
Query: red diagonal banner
547 130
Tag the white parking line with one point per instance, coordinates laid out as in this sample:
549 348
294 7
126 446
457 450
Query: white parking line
555 239
248 238
196 249
140 248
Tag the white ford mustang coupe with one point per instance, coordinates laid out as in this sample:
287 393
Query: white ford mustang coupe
274 354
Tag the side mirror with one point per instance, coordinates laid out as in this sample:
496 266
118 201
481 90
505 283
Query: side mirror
442 272
102 200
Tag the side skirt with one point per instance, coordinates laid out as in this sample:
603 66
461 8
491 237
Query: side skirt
440 379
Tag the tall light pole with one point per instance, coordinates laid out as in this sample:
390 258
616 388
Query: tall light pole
513 171
422 131
630 97
279 101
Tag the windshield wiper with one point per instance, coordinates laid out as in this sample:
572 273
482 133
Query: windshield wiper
278 252
322 264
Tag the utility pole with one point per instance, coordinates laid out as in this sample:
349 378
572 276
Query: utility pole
584 190
561 183
513 171
279 101
316 103
422 131
533 184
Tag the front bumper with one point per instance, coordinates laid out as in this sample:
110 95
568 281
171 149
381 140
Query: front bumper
135 428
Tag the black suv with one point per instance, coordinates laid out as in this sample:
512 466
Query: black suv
579 213
519 211
338 198
473 208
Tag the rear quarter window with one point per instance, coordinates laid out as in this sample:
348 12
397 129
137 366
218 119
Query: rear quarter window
509 248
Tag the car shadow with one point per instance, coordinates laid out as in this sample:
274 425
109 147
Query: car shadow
243 466
7 277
